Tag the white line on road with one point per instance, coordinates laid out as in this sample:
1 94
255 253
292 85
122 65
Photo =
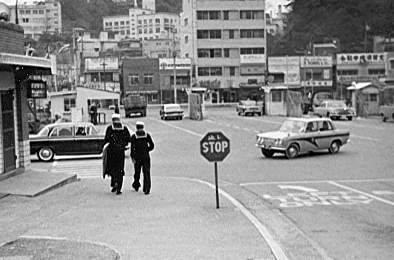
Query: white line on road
312 181
383 192
182 129
364 137
272 243
362 192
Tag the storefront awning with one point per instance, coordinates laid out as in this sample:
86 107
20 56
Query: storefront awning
359 86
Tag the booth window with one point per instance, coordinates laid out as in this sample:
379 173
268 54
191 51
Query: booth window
148 79
373 97
276 95
69 103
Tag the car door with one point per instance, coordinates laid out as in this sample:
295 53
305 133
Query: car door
62 139
88 141
325 134
311 137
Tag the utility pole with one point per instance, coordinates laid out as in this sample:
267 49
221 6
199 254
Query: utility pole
16 12
104 64
174 56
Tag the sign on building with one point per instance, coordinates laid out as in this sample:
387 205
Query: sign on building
37 89
359 58
316 61
101 64
180 64
252 59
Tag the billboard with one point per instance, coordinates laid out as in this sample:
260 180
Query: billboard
359 58
180 64
101 64
316 61
289 66
252 59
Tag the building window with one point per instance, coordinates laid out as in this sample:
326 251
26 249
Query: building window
246 51
216 71
157 29
55 14
252 33
202 34
373 97
225 15
134 79
232 71
226 53
139 22
69 103
150 30
392 64
35 11
202 15
121 22
166 20
148 79
214 15
28 11
203 71
145 30
186 21
231 34
140 31
252 15
347 72
209 53
116 23
21 11
186 39
157 20
215 34
376 71
25 20
127 22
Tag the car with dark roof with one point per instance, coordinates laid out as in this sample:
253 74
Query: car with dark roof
302 135
70 138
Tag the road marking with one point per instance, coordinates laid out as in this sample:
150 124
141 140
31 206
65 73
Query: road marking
364 138
272 243
182 129
362 192
313 181
383 192
300 188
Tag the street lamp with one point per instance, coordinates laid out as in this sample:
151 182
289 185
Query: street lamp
173 31
104 64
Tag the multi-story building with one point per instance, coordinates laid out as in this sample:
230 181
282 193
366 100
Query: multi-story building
39 18
119 24
157 25
146 4
227 43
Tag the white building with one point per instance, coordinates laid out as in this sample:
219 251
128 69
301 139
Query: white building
38 18
119 24
227 42
157 25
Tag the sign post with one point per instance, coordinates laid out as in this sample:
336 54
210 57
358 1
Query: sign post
214 147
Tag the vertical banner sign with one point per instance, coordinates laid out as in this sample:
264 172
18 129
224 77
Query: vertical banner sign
214 147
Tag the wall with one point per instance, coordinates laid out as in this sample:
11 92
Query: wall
11 36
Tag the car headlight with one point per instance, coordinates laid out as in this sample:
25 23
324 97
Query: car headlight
278 142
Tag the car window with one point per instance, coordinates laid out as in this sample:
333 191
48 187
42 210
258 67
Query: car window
324 126
311 127
81 131
62 131
91 130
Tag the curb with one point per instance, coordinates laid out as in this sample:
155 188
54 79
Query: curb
68 180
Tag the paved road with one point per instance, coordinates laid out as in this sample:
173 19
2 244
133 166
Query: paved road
342 205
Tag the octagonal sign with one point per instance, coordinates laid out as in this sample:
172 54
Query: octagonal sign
215 146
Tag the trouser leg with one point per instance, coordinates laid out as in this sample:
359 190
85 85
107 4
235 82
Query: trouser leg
113 181
137 174
146 171
119 182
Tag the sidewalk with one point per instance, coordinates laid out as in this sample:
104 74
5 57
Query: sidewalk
178 220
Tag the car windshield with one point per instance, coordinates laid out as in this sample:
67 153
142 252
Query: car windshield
45 131
336 104
292 126
248 102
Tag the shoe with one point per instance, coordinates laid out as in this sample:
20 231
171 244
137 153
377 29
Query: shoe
118 192
113 189
146 192
136 188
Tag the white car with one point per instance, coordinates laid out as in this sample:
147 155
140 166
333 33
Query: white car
171 111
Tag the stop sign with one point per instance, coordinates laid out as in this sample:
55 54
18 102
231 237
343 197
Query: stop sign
215 146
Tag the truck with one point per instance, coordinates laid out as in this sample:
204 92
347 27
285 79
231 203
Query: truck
135 105
386 108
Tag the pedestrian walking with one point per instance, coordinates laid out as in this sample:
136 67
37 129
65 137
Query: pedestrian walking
140 147
117 137
93 113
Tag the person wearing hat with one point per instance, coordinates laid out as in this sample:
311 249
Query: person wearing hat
117 136
141 145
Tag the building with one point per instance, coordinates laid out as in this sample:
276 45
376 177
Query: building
145 4
20 80
360 67
382 44
276 22
141 76
39 18
227 42
160 48
157 25
102 73
119 24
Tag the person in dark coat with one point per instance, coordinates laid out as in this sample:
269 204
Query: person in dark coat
140 146
117 136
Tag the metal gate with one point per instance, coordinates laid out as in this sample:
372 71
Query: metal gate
7 110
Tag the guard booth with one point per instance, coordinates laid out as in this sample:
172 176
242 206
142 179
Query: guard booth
282 101
365 98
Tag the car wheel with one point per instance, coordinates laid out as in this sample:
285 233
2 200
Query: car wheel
292 151
328 114
239 113
45 154
384 119
267 153
350 118
334 147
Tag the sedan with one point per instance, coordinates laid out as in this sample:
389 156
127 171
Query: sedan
302 135
169 111
66 139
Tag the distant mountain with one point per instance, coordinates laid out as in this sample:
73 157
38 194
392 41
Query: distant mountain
89 13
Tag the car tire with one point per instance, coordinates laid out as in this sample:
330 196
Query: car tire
292 151
334 147
384 119
45 154
350 118
267 153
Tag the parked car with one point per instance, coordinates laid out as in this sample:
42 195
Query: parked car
386 112
66 139
249 107
334 109
302 135
169 111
